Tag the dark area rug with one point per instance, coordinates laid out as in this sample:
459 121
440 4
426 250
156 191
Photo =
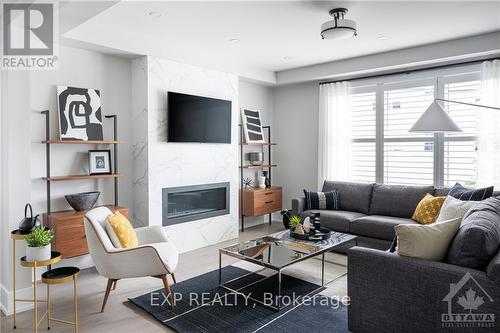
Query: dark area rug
205 307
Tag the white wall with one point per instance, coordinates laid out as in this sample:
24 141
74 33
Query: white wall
182 164
296 127
24 94
258 97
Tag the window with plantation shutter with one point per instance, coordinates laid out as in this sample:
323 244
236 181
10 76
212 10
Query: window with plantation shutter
408 157
384 151
363 122
460 149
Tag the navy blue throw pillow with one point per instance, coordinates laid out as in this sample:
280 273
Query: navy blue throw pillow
461 193
322 200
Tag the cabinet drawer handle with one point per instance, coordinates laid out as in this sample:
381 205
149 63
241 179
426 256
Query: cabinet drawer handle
268 193
268 202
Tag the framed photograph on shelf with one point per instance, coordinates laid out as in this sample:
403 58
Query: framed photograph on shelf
252 126
100 162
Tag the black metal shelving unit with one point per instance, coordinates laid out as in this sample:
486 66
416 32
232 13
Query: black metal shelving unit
48 142
269 166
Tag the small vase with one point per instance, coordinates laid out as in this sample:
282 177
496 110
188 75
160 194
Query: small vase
262 181
38 253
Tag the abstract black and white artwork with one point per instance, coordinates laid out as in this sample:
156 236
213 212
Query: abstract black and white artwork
252 126
80 116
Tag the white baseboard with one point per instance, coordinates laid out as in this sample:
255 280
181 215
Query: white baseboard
6 297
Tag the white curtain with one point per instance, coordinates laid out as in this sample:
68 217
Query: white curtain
334 144
489 126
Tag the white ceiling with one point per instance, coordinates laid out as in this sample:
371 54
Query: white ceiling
270 33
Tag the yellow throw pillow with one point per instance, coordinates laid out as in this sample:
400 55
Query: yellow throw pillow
428 209
123 230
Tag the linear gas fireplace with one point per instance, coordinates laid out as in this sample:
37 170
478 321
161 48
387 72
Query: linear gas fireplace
190 203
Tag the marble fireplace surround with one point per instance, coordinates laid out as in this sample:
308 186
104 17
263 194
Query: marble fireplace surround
159 164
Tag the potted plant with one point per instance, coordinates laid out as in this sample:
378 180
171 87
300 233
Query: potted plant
39 244
295 223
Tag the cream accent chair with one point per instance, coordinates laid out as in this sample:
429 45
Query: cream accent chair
155 256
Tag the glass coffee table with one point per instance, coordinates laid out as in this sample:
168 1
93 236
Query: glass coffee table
277 252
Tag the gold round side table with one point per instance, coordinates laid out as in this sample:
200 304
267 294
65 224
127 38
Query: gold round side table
59 276
15 236
54 258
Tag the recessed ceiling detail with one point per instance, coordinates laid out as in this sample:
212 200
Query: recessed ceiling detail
270 30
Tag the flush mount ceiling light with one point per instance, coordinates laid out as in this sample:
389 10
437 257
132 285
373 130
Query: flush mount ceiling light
339 28
155 14
234 40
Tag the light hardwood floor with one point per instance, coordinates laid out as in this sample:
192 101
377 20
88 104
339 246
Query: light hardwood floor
122 316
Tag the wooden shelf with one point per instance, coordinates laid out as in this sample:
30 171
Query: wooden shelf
258 166
258 144
81 177
80 142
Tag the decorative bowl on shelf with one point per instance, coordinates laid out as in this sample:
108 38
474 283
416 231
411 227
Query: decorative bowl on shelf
256 158
82 201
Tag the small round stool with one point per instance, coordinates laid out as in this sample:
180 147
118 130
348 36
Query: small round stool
58 276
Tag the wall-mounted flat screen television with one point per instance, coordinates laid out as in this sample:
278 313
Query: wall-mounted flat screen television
198 119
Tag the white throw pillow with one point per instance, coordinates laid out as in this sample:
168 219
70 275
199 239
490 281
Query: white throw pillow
111 234
426 241
454 208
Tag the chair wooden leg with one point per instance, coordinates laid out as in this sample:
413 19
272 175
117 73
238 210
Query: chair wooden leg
168 290
108 289
114 284
173 277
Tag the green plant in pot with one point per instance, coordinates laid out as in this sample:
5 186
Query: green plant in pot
295 222
38 242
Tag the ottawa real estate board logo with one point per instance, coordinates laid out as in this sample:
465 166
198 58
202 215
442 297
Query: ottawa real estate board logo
467 304
29 33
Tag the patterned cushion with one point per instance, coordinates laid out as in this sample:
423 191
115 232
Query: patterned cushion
322 200
465 194
123 230
428 209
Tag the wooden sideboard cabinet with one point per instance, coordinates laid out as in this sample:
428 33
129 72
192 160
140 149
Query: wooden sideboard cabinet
69 233
261 201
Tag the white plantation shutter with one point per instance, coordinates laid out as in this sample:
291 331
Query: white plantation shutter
383 150
460 149
408 157
363 127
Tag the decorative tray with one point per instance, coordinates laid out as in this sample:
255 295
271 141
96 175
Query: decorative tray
324 233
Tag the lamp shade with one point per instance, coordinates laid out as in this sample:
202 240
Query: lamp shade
435 119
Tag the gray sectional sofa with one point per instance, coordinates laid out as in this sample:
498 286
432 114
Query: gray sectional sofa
369 211
391 293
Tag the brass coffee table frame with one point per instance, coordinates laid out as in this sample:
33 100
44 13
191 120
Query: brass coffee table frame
278 269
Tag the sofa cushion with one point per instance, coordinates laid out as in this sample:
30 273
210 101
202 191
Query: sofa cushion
354 197
429 241
478 238
454 208
336 220
441 192
377 226
397 200
460 192
428 209
322 200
